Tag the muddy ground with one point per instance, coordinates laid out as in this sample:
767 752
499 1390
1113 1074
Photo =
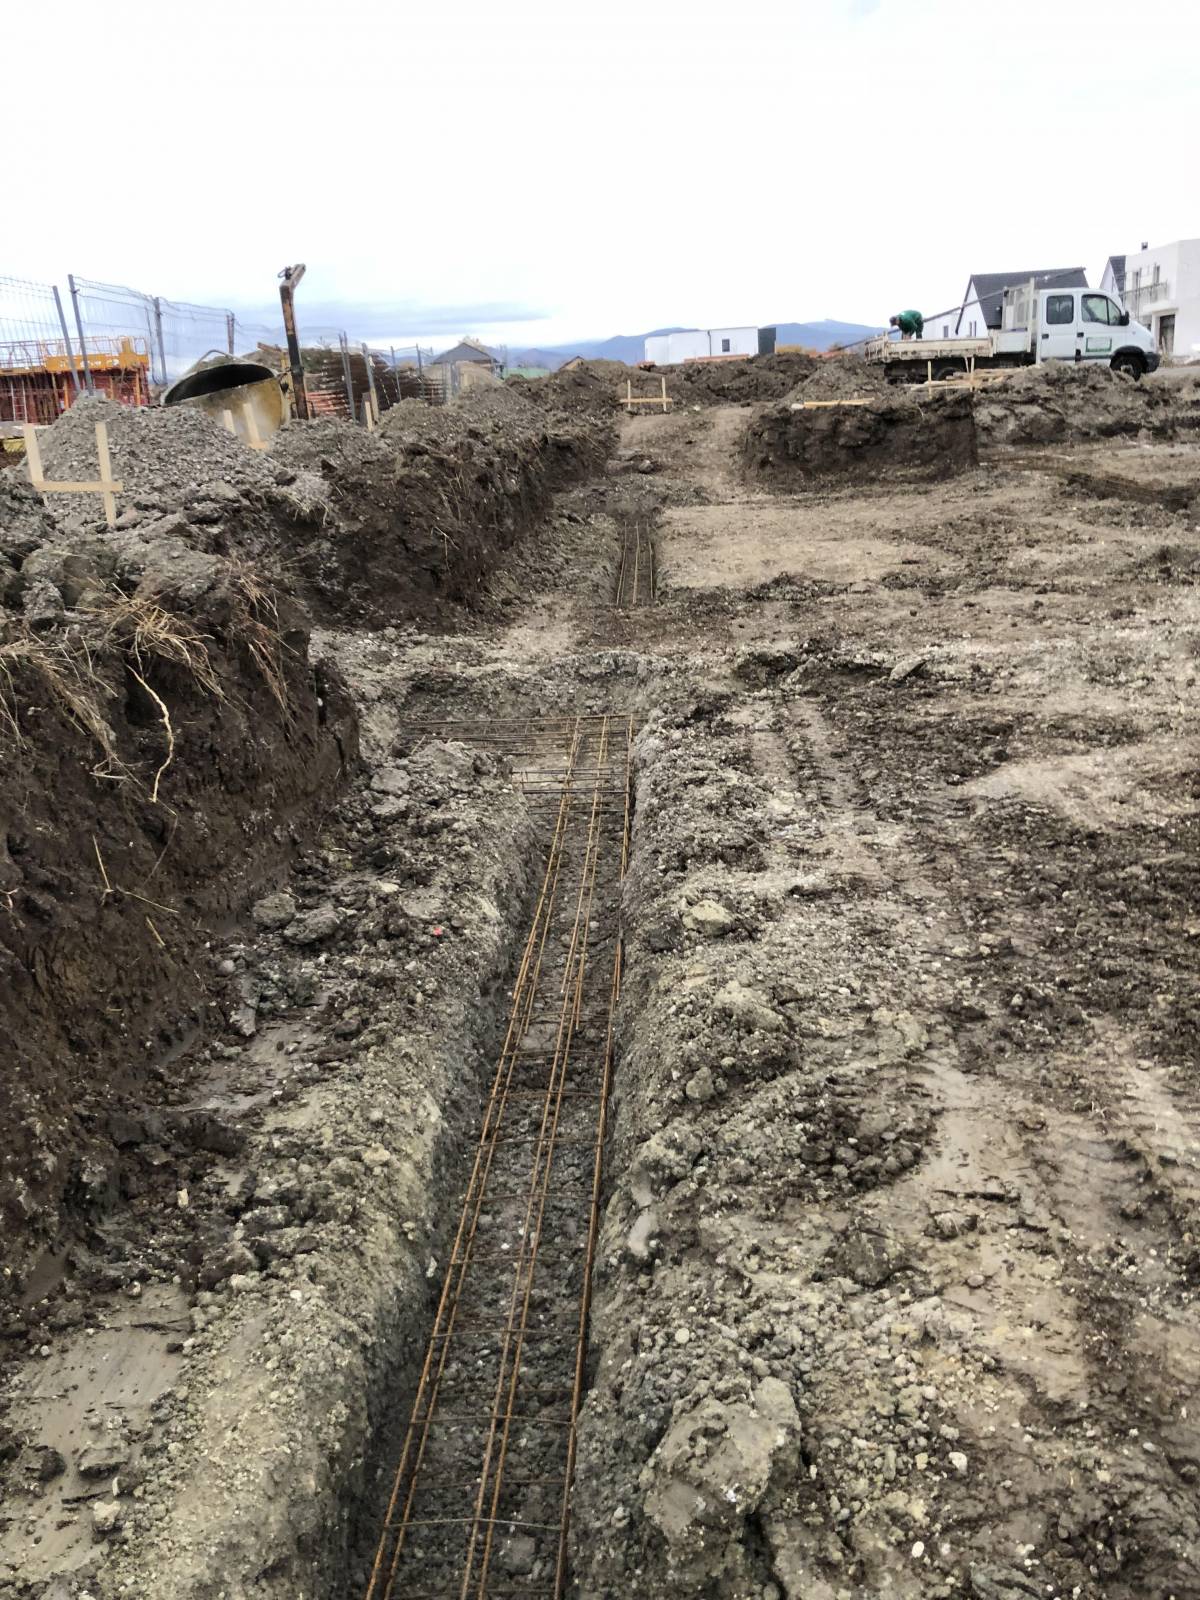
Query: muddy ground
895 1291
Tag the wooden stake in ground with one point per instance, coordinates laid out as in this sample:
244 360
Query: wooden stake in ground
631 400
106 485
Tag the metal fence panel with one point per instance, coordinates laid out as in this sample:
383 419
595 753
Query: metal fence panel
39 370
128 344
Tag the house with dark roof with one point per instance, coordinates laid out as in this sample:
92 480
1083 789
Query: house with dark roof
466 365
1113 280
983 303
466 350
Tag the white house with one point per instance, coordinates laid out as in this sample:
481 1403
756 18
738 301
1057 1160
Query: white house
1160 288
668 349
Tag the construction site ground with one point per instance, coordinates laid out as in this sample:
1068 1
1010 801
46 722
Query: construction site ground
845 831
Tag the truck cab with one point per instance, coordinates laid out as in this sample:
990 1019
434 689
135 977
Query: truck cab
1074 325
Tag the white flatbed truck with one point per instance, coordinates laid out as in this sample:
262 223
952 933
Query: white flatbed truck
1076 325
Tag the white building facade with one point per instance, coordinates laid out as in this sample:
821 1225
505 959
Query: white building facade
669 349
1162 291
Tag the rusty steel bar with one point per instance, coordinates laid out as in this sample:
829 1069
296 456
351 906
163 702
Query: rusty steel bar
510 1364
585 1303
547 1184
524 994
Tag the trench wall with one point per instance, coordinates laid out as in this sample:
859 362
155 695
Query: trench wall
161 761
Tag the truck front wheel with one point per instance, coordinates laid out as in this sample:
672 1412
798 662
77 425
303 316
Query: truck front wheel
1130 363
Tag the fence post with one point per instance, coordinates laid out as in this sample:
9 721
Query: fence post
230 331
87 371
158 339
371 381
345 344
62 322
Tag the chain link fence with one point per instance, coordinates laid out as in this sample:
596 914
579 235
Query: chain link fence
38 377
131 346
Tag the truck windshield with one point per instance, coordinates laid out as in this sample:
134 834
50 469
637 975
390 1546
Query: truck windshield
1060 308
1099 308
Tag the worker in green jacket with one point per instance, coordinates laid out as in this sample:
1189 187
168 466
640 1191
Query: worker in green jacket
910 323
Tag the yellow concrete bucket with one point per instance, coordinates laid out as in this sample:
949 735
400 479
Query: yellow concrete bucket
244 395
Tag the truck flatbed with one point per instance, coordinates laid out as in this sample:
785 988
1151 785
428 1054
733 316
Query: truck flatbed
884 349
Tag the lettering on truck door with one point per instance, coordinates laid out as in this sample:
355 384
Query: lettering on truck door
1057 340
1100 318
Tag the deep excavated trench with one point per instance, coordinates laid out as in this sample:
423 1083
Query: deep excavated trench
480 1500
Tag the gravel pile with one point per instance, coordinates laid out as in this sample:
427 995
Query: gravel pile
165 456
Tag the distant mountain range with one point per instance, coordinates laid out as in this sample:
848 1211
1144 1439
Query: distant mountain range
631 347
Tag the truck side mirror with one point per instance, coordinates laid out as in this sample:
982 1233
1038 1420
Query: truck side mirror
1124 319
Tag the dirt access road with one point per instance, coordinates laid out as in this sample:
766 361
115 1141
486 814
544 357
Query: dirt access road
894 1282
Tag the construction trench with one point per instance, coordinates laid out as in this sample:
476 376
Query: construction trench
607 1006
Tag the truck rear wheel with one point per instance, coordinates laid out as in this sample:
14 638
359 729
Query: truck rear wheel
1130 363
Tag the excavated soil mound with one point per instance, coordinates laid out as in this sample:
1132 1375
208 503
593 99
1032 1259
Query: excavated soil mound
163 458
603 384
749 382
920 433
425 507
895 438
841 378
1058 404
366 527
162 736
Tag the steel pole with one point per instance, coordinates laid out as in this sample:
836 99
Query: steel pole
230 331
345 343
290 277
87 371
371 381
62 323
158 338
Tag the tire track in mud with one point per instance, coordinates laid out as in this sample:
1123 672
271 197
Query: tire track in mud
1107 1317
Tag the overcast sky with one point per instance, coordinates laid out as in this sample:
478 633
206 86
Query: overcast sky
538 170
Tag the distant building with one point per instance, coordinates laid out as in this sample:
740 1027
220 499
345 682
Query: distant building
569 366
701 344
466 365
466 350
1112 280
1160 288
983 303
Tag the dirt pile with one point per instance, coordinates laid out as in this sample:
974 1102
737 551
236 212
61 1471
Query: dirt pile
164 734
164 459
844 377
895 436
751 382
1060 403
403 522
921 433
424 508
603 384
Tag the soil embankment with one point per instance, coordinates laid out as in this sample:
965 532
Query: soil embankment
365 528
861 428
169 741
